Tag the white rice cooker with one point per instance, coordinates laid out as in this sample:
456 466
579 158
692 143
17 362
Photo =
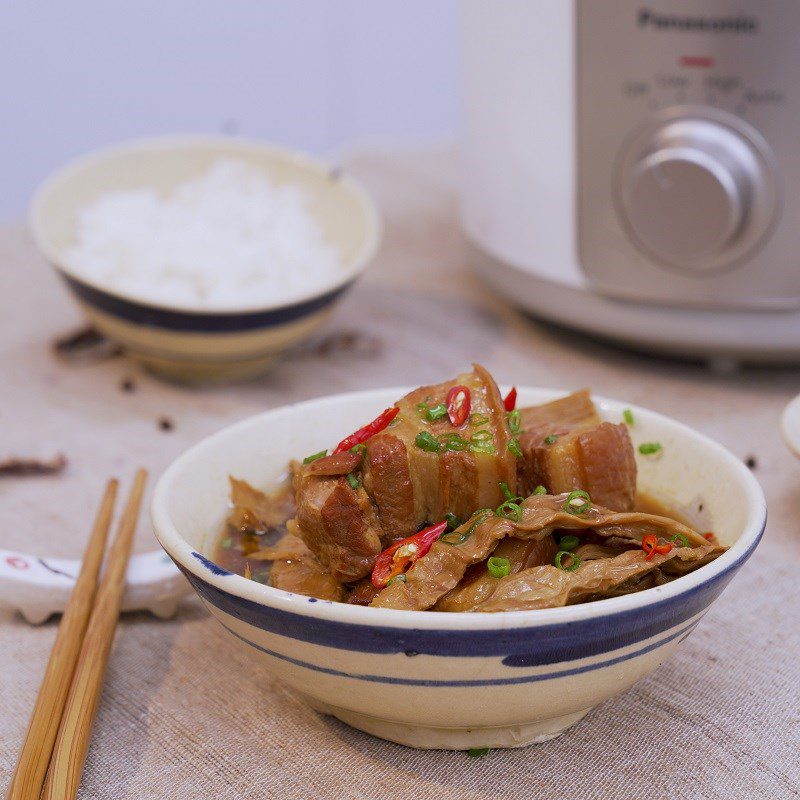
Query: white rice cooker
632 168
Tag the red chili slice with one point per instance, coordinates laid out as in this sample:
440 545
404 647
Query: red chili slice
362 434
397 557
651 546
458 405
510 402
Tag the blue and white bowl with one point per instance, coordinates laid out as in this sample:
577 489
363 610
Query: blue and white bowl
184 343
438 680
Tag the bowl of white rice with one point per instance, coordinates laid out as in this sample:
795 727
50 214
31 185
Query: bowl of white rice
205 257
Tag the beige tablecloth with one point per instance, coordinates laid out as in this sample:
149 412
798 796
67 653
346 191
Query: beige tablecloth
187 714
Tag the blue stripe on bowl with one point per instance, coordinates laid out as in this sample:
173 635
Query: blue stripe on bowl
542 676
205 321
518 647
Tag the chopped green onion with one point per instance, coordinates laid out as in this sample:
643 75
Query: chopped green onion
478 419
540 489
315 456
436 412
551 439
577 502
427 442
452 441
514 447
498 567
572 566
453 521
482 447
353 480
627 415
477 518
509 510
481 436
569 543
513 421
477 752
226 543
506 491
358 448
680 540
648 448
401 578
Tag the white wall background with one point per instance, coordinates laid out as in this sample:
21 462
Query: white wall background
311 73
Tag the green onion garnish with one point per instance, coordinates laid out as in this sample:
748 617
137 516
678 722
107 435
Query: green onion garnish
577 502
551 439
401 578
513 421
506 491
509 510
514 447
427 442
627 415
452 441
477 752
358 448
479 517
453 521
573 565
478 419
315 456
436 412
569 543
481 436
482 447
680 540
648 448
498 567
353 480
540 489
226 543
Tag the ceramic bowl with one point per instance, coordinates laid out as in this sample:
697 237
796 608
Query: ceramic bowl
181 342
438 680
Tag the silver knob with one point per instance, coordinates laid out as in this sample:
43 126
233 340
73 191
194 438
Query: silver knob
693 194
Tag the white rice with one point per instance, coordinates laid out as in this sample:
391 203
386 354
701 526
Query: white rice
227 239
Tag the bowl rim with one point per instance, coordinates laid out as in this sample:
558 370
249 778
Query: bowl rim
182 552
232 144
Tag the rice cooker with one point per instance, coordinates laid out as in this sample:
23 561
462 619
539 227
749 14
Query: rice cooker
631 168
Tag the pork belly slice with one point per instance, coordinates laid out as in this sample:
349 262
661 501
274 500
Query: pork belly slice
547 586
445 564
402 486
411 487
585 453
338 524
257 510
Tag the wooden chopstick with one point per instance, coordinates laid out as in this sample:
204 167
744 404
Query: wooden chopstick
28 778
72 743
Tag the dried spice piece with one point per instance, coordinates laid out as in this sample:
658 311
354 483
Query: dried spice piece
127 385
166 424
751 462
21 467
85 345
348 342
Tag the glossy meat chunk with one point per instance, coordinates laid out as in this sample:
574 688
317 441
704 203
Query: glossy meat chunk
402 485
565 446
338 523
